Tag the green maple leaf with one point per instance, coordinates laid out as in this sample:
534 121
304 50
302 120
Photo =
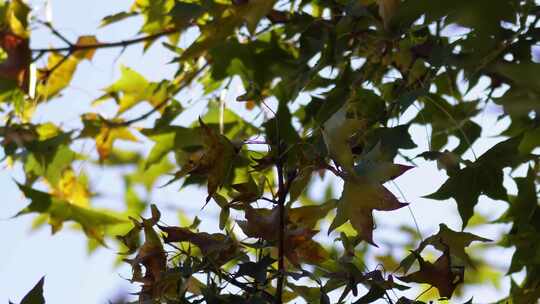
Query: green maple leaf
374 168
214 161
254 11
91 220
357 202
132 88
524 205
168 139
523 212
363 192
484 176
454 241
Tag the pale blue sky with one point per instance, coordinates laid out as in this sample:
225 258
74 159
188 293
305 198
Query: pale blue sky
73 276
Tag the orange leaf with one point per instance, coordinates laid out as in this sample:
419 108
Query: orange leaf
86 41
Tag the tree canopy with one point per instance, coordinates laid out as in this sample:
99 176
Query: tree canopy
331 90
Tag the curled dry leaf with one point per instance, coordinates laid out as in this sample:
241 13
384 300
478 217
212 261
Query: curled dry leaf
441 274
217 246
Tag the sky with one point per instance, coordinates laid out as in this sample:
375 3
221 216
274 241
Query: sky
73 275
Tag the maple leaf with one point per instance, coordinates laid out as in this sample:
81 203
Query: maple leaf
213 33
455 242
208 243
87 40
309 216
92 221
299 247
246 191
441 274
17 18
132 88
298 244
213 161
523 212
107 136
260 223
310 252
524 206
363 193
131 239
72 189
152 256
58 73
448 241
378 286
484 176
105 133
257 270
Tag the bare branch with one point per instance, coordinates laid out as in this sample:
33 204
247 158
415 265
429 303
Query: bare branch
123 43
55 32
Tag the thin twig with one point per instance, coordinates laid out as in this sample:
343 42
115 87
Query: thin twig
56 33
281 233
268 200
334 170
122 43
48 72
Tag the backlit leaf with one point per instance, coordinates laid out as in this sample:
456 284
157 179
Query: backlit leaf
92 221
484 176
35 295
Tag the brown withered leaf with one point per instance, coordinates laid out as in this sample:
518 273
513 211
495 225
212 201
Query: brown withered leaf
298 244
295 239
306 251
246 192
441 274
152 256
19 56
218 157
260 223
218 246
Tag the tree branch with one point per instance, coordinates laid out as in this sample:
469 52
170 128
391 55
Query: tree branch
282 194
123 43
283 190
56 33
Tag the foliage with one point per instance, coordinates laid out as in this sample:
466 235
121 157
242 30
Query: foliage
335 86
